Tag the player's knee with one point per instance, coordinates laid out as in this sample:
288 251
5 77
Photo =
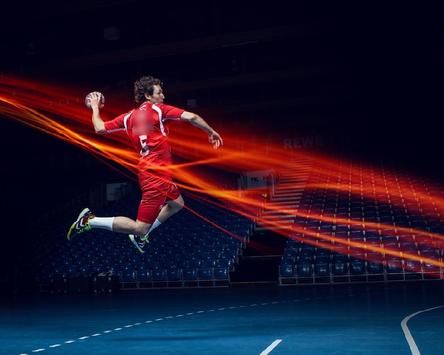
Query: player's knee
176 205
142 228
180 204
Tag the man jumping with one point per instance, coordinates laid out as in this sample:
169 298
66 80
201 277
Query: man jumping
146 130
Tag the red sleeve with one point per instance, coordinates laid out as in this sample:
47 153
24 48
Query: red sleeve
117 124
171 112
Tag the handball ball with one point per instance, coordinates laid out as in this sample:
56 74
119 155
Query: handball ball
88 100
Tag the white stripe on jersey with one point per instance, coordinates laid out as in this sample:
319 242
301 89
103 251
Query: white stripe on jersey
159 111
125 120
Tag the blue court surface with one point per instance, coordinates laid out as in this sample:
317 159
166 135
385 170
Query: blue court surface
358 319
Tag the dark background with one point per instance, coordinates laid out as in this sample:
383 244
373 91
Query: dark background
367 79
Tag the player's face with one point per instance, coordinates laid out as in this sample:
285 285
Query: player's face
157 97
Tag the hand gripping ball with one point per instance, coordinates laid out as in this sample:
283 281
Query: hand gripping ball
88 100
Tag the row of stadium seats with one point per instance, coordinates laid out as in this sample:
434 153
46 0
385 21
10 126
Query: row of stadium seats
377 235
184 249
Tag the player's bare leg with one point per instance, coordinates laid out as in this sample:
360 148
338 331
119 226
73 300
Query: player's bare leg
170 208
140 239
127 225
137 231
87 221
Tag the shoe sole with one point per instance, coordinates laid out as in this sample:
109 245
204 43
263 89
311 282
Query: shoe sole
131 238
73 226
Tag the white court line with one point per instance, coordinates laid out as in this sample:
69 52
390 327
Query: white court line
408 336
169 317
270 347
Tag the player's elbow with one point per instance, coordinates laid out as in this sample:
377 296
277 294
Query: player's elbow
100 130
195 117
189 117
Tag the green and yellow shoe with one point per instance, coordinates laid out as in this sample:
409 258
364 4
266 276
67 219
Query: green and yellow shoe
81 224
138 241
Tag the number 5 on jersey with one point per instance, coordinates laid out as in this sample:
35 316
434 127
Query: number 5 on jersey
145 150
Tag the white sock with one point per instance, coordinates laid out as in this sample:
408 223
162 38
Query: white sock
102 222
156 224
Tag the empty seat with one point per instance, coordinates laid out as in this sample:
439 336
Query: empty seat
408 246
413 266
159 275
375 268
322 269
128 275
286 270
206 273
304 270
144 275
357 267
394 266
339 267
189 274
174 274
221 273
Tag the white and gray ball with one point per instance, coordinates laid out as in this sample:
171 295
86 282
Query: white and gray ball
88 100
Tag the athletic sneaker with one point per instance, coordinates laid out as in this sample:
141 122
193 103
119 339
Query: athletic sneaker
138 241
81 224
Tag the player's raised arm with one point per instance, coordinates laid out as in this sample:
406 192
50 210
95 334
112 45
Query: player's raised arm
213 137
99 125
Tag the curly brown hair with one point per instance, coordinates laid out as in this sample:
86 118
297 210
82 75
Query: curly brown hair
145 85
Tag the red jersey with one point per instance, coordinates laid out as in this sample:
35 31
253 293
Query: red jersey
146 129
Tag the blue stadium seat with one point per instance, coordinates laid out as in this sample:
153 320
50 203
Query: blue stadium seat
128 275
339 267
357 267
394 265
174 274
322 269
286 270
190 274
221 273
144 275
375 268
159 275
206 273
304 270
413 266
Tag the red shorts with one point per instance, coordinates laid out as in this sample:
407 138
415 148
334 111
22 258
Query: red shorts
156 190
